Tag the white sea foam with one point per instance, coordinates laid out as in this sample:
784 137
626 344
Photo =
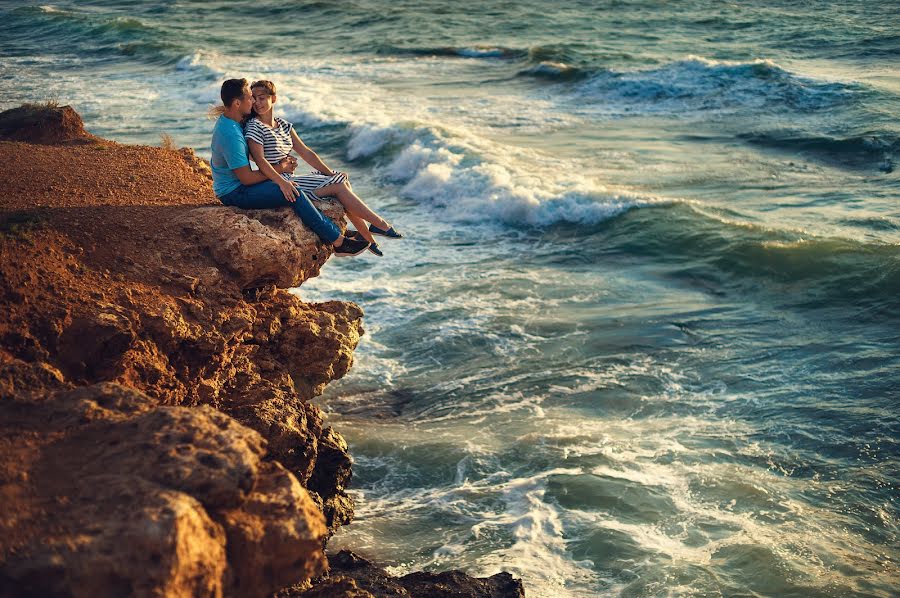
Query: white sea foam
715 498
473 181
533 529
539 550
201 62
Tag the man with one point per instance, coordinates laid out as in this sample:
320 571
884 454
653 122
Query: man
236 184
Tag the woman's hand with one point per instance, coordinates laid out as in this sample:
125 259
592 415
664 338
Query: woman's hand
327 172
290 192
287 165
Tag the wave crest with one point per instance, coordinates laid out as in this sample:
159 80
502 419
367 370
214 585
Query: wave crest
861 151
700 84
476 51
470 181
796 266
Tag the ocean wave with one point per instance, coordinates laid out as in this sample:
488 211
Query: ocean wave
471 180
555 71
549 62
200 63
800 268
861 151
467 177
698 84
94 35
475 51
122 24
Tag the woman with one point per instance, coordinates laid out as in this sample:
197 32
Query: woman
271 140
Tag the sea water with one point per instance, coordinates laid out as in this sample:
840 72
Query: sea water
642 335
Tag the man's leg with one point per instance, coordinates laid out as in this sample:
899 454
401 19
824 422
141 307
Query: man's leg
268 195
315 220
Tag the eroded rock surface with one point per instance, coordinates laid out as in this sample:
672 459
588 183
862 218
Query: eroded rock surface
123 497
352 576
260 247
157 437
43 123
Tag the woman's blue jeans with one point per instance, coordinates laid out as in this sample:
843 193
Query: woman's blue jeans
268 195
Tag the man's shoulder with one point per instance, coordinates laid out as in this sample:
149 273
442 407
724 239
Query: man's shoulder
227 127
225 123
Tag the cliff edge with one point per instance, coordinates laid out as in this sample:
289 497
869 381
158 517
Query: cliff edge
156 435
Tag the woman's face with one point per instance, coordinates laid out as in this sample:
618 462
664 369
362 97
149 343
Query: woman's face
262 101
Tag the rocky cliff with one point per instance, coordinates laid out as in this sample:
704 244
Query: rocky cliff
156 435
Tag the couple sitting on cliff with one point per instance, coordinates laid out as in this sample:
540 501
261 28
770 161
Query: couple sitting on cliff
247 121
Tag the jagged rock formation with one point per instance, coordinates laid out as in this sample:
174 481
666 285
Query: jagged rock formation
156 434
138 329
353 576
119 496
260 247
43 123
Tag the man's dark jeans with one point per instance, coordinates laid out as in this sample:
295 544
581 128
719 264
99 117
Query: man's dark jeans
267 195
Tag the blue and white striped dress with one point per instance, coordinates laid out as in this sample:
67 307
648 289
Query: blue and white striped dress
277 145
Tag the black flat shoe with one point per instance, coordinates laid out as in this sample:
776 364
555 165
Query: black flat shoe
389 233
373 247
351 247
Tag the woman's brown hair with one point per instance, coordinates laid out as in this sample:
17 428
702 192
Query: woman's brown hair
267 85
270 89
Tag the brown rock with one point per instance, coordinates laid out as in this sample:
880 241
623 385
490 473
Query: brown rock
335 587
275 537
331 477
367 577
93 344
147 486
127 498
127 537
43 123
198 164
260 247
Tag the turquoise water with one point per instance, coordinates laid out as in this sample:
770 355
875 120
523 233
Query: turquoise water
642 338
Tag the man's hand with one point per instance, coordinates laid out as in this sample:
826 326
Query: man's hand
290 192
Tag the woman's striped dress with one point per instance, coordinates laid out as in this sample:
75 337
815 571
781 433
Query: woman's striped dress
277 145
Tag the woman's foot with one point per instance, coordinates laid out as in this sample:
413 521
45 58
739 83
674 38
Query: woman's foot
390 233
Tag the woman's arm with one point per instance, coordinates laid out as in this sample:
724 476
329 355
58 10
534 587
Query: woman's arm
256 150
309 156
248 176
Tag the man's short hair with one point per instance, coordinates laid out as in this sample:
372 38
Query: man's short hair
233 89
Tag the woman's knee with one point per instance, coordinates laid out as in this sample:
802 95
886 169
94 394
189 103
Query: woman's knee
343 186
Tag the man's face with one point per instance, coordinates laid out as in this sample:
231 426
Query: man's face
246 102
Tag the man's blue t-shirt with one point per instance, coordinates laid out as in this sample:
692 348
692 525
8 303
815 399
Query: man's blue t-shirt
229 151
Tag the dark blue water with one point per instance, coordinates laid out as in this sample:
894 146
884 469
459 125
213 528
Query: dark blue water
642 338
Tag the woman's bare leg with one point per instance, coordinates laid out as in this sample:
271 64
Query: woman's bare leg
352 203
360 225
